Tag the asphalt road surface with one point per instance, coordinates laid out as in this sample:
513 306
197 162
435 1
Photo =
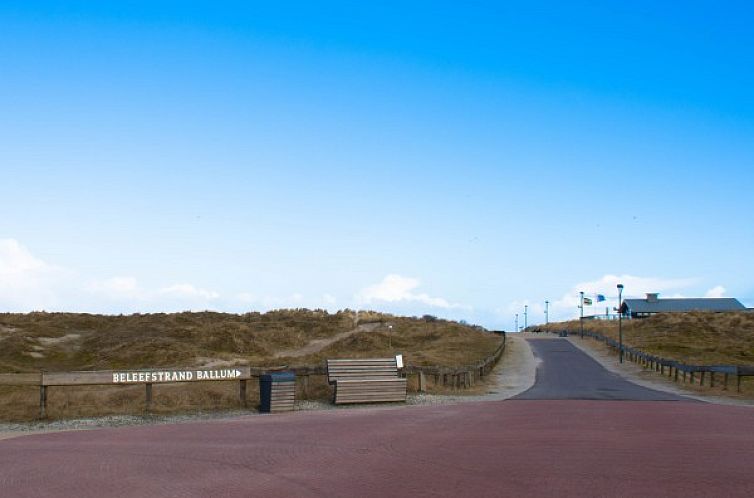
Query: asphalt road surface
579 448
566 372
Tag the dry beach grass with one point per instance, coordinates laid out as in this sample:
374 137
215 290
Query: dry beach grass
68 341
698 338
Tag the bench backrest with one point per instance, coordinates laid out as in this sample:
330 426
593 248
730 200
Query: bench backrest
372 368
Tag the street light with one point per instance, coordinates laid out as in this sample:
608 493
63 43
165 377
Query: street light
526 316
547 317
581 318
516 322
390 337
620 322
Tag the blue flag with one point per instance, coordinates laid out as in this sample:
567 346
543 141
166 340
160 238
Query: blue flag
600 298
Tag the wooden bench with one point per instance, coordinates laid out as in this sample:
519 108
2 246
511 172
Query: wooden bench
366 381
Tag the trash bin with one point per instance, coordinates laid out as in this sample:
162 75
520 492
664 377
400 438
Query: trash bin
277 392
563 333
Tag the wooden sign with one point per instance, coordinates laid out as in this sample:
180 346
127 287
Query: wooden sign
158 376
151 376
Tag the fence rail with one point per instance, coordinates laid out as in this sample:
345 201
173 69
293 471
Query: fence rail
457 377
677 369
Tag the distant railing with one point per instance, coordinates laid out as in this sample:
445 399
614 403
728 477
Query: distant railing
457 377
677 369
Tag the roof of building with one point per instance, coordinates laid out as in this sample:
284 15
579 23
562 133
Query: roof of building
681 305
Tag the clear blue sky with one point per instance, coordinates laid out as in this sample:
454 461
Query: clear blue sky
458 160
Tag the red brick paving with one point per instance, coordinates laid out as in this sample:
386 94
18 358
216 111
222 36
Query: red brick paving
510 448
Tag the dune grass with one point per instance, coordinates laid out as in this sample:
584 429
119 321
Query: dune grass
696 338
73 341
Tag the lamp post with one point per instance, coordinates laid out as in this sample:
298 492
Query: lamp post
547 317
390 337
581 317
620 322
516 322
526 316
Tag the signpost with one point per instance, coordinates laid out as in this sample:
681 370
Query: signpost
148 377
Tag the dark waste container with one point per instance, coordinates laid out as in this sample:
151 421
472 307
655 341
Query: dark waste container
277 392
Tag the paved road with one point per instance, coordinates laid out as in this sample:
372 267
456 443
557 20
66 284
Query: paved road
566 372
579 448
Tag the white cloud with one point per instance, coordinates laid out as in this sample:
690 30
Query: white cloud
294 300
28 283
117 287
396 288
188 291
16 260
566 307
246 298
717 291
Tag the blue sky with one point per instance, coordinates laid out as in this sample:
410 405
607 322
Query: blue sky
461 160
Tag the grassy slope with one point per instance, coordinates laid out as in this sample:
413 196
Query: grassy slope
67 341
82 342
695 338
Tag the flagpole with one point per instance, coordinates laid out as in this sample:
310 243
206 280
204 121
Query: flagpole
581 318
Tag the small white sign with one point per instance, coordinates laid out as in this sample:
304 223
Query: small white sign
399 360
175 376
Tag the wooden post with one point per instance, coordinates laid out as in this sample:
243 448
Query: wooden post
676 373
42 401
422 382
242 393
149 397
662 369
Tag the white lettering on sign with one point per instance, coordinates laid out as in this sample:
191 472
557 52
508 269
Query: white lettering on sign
175 376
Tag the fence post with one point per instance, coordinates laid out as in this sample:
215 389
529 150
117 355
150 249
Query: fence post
42 401
242 393
148 397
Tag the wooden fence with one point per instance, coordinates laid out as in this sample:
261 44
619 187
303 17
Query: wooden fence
458 378
676 369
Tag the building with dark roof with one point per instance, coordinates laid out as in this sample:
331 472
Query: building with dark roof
641 308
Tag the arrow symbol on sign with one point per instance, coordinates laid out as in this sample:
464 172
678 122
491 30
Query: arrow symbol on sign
238 373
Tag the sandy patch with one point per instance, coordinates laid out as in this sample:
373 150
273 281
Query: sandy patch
318 345
55 341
